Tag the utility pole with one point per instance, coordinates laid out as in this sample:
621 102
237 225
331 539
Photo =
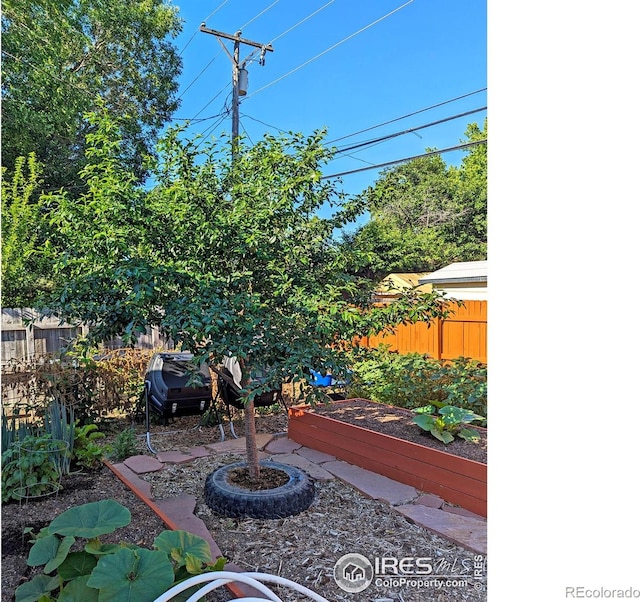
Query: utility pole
239 75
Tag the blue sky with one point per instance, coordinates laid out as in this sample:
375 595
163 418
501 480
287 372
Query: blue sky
350 66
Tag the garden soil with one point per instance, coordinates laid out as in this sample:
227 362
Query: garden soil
303 548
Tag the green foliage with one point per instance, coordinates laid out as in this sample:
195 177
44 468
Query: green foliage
425 214
395 379
117 572
24 269
14 430
112 55
463 383
412 380
59 423
123 446
448 421
225 257
86 452
33 467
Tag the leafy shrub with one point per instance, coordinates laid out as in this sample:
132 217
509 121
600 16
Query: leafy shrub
33 467
463 383
13 430
389 377
413 380
109 571
448 421
93 387
123 446
86 452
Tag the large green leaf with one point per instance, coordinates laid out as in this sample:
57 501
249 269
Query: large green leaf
444 436
76 564
78 591
50 551
132 575
469 434
95 547
91 520
181 544
33 590
425 421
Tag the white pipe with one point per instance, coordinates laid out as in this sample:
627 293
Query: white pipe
216 579
221 577
287 583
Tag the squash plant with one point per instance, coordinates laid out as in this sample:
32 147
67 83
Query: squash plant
115 572
447 422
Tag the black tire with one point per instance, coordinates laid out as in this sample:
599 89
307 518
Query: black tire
228 500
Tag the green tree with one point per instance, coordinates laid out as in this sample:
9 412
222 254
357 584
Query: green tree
426 214
60 58
23 260
226 257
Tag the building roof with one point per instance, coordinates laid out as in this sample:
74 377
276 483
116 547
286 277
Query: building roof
463 271
396 281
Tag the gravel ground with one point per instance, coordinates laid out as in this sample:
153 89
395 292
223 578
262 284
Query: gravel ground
303 548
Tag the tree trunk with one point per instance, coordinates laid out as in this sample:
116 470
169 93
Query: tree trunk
250 429
250 435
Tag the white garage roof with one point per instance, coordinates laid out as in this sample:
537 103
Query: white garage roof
463 271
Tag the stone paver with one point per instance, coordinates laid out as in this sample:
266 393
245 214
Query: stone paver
200 452
174 457
281 445
142 464
462 512
239 445
372 484
429 500
467 532
314 455
313 470
180 510
427 510
131 479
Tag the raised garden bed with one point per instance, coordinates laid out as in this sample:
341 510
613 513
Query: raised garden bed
456 479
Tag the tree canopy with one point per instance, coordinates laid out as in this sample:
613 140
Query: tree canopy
63 58
227 257
426 214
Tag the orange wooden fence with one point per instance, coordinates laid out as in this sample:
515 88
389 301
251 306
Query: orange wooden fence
464 333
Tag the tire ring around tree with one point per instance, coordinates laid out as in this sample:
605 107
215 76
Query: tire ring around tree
229 500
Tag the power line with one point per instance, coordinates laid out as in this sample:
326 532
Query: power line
275 81
199 74
410 130
273 127
440 104
397 161
195 33
271 42
301 22
259 14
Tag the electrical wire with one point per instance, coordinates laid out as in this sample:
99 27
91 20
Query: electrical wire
260 14
440 104
195 79
273 127
198 30
275 81
410 130
407 159
301 22
271 42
